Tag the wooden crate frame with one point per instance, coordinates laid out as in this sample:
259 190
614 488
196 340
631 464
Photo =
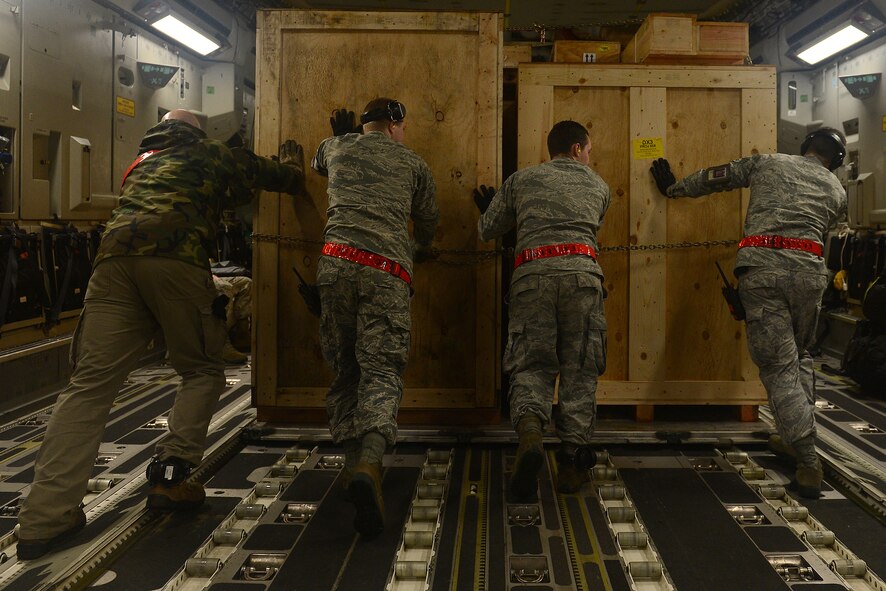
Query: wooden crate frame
646 381
281 402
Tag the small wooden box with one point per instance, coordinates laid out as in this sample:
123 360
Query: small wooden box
662 35
722 41
515 54
587 52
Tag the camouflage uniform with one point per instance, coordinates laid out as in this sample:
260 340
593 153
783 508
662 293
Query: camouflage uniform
556 322
781 289
151 272
375 185
239 292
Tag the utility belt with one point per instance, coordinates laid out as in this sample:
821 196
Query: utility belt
553 250
782 242
369 259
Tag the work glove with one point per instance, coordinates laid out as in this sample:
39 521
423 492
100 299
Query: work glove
310 293
483 197
661 172
422 254
344 121
292 154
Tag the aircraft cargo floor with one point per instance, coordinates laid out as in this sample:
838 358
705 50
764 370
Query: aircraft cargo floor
688 506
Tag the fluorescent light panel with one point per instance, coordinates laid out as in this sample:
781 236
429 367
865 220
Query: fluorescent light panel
173 27
848 35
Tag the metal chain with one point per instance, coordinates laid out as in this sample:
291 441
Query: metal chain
463 258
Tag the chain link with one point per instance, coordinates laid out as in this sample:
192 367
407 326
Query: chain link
464 258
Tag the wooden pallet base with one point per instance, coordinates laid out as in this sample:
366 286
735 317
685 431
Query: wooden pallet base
746 413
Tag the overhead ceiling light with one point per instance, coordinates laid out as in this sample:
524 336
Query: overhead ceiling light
833 43
185 34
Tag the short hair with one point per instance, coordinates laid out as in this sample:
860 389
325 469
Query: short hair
823 141
565 134
378 103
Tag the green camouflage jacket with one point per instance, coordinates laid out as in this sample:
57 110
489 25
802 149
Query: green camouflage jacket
171 202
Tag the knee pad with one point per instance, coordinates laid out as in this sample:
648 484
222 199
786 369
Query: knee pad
169 471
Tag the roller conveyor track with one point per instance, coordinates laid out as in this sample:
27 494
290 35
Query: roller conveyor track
665 516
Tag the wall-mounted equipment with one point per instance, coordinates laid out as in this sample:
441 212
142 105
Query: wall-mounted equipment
80 195
862 87
835 32
186 23
862 197
7 141
156 75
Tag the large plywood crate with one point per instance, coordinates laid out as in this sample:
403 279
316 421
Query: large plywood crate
671 339
447 70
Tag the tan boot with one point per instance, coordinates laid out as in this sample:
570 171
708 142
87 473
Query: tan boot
176 497
782 449
364 491
572 467
809 472
523 485
809 480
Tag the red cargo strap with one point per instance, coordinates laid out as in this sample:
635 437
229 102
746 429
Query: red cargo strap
370 259
554 250
782 242
139 159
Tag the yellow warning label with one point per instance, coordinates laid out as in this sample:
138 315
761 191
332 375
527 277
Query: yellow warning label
648 147
125 106
884 122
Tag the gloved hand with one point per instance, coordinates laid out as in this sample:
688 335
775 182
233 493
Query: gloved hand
292 153
483 197
344 121
661 172
422 254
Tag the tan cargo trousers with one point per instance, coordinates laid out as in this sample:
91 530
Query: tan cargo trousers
128 299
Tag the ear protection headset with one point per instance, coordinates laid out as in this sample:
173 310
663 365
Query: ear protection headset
394 111
837 160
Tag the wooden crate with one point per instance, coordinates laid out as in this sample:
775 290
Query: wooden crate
515 54
662 36
723 42
587 52
671 339
446 68
679 39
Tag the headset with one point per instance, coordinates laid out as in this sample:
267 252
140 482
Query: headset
394 110
830 134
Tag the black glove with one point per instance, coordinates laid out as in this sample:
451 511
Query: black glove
344 121
310 293
483 197
423 254
661 172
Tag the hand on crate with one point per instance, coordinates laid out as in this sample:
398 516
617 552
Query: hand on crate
483 197
343 122
661 172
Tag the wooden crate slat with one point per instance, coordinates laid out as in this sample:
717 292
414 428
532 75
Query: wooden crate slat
629 75
648 271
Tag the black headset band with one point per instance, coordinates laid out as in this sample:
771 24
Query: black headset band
837 160
393 111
